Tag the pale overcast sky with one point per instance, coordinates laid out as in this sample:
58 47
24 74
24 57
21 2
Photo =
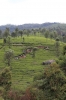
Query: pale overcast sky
32 11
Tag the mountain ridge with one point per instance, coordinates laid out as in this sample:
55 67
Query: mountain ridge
32 26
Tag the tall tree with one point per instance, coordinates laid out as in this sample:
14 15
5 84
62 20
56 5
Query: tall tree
0 34
55 34
6 32
64 38
16 31
25 32
28 32
64 50
8 56
57 45
9 41
13 34
51 35
46 34
21 32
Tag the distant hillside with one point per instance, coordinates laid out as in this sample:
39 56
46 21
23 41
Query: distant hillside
31 26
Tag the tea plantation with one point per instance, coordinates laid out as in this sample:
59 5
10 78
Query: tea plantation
24 68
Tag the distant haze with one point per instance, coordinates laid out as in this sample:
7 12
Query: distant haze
19 12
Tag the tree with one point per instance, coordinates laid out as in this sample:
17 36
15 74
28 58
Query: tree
5 81
23 39
62 62
57 45
4 40
21 33
42 31
25 32
9 41
46 34
55 34
13 34
8 56
64 50
6 32
52 83
64 37
28 32
51 35
16 31
34 31
0 34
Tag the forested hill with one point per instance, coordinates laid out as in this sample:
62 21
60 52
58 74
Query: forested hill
31 26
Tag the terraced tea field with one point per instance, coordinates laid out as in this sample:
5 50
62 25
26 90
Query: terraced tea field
25 68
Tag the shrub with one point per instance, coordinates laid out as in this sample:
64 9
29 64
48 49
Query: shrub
5 82
53 83
63 64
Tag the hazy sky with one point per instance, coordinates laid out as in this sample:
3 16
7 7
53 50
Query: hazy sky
32 11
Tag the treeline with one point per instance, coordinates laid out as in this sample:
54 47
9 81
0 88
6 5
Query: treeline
52 33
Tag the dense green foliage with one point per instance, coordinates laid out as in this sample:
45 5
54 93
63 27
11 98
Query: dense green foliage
52 83
5 82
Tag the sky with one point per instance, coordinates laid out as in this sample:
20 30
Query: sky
20 12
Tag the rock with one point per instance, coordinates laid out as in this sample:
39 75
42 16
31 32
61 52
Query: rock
47 62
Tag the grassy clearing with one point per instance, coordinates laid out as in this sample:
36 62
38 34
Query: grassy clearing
33 39
24 69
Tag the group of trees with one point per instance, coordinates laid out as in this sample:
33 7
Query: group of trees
52 83
53 34
48 33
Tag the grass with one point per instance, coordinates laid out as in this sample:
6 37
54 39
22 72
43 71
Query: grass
24 69
33 39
